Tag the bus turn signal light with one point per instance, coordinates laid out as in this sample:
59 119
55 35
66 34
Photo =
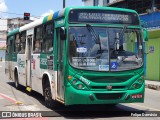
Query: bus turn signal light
69 77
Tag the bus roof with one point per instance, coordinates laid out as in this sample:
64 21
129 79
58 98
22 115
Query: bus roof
61 13
102 8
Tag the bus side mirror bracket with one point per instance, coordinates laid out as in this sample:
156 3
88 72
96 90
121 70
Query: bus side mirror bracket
145 35
62 33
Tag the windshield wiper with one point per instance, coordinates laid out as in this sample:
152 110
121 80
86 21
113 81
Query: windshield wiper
94 35
123 30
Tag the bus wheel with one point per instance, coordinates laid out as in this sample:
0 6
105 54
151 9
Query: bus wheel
16 81
49 102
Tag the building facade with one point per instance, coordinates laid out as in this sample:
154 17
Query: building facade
149 11
7 25
3 29
14 23
97 2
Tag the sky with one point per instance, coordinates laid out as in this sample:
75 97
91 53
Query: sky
37 8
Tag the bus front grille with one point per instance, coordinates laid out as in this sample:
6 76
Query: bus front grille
109 79
105 87
110 96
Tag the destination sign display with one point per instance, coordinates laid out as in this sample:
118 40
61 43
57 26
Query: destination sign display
103 16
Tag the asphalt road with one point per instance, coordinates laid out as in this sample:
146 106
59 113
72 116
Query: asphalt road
13 100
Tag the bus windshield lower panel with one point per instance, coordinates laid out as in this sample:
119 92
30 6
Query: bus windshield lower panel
105 49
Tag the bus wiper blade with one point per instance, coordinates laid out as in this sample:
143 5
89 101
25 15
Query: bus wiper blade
94 35
123 29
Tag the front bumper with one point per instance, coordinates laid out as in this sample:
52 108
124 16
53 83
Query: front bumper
74 96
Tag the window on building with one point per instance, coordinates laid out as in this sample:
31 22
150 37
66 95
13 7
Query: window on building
157 5
22 43
47 45
17 43
105 2
95 2
142 6
38 39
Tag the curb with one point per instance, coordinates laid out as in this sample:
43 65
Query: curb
154 87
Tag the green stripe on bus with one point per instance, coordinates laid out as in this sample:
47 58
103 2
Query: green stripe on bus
45 19
13 32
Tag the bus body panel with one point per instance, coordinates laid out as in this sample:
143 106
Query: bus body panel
21 60
74 96
36 73
39 68
61 75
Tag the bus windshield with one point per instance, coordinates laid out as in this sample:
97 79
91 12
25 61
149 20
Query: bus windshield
105 49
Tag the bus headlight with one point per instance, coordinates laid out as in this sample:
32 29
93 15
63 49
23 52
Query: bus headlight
77 84
80 86
74 82
140 80
137 84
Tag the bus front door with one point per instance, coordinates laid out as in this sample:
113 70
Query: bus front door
28 62
60 63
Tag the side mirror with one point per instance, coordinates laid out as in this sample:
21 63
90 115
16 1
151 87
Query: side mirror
145 35
62 33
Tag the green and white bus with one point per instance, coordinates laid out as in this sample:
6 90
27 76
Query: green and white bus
80 55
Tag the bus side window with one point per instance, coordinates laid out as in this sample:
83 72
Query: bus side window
22 43
16 43
48 38
7 45
37 40
10 44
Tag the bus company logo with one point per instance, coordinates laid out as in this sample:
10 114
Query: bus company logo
109 87
43 61
21 63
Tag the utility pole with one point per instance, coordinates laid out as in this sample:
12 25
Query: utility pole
64 3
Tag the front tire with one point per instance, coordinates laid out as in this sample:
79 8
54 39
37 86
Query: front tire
49 102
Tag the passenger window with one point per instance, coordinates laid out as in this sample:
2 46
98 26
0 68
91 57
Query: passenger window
7 45
37 43
17 43
22 43
48 38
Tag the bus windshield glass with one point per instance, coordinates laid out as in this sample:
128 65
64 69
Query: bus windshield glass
105 49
